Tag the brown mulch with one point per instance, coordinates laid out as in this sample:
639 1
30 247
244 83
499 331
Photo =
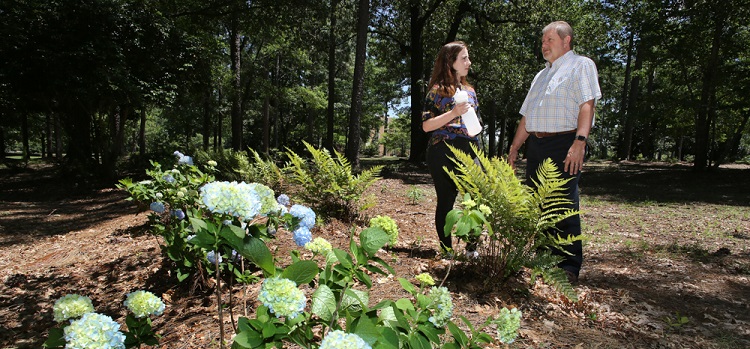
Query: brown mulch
665 243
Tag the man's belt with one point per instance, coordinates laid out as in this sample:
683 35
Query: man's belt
550 134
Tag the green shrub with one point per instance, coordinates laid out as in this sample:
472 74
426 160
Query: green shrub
172 195
340 309
328 184
260 170
510 220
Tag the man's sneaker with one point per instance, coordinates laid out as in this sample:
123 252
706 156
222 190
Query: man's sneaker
472 255
572 277
448 255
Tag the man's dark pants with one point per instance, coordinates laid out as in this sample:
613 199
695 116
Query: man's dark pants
556 147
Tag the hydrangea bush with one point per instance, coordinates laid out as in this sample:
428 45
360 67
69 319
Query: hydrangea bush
87 329
171 195
425 320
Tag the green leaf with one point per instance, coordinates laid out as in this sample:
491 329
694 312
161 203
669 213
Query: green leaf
256 251
365 329
373 239
56 338
419 342
388 339
248 339
301 272
458 334
404 304
344 258
407 285
450 220
323 303
238 231
431 332
355 297
362 276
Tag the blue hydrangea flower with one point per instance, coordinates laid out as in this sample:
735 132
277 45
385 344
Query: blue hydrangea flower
183 159
144 303
341 340
283 200
236 199
305 214
282 297
71 306
94 331
272 230
157 207
178 213
441 306
211 256
302 236
508 323
168 178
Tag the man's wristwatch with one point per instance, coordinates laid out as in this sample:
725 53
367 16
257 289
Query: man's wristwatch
581 138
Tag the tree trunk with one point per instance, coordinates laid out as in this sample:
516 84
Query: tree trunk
266 125
142 134
418 136
207 117
58 138
363 22
623 149
235 48
48 136
330 111
631 117
706 108
25 137
3 149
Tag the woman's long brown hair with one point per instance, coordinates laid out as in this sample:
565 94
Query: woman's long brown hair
443 74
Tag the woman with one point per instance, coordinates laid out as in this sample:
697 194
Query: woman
442 116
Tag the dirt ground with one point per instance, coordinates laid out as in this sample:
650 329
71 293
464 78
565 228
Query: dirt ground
665 243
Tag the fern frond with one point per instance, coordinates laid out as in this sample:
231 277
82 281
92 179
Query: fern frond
557 278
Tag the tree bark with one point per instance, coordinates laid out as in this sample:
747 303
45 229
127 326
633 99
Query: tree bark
623 150
142 134
706 107
25 137
416 28
363 21
266 125
235 48
330 111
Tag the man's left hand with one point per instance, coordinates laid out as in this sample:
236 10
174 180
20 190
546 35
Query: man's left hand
574 160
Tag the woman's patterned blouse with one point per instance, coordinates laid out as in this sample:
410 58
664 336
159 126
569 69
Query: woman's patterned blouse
435 105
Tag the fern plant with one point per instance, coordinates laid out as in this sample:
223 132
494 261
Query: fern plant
516 218
328 184
260 170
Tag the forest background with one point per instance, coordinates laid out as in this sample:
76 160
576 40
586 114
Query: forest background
97 82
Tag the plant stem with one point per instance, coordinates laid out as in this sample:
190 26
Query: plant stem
218 300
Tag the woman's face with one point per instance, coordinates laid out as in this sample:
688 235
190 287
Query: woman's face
462 63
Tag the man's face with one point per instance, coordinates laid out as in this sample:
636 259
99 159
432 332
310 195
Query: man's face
553 47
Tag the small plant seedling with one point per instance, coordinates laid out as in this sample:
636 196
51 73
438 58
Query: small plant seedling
415 194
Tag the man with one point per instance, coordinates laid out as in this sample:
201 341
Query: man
558 114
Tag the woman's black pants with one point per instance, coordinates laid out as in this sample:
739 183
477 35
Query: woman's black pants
439 156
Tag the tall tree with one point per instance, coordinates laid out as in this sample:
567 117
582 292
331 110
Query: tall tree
353 141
